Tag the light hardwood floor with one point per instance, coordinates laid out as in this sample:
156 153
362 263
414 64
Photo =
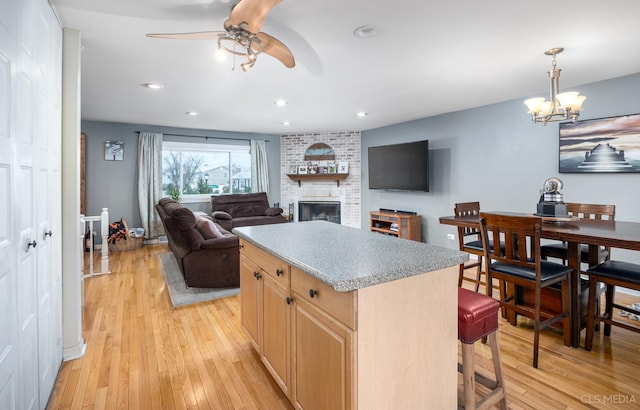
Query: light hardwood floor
144 354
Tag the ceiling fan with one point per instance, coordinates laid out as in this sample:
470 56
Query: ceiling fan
242 35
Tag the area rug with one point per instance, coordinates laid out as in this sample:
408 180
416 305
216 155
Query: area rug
180 294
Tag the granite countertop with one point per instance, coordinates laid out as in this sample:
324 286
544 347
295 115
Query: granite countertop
348 258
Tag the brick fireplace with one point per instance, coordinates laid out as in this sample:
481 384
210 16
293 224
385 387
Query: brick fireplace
346 146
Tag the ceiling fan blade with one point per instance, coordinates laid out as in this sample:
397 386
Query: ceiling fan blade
250 12
276 49
198 35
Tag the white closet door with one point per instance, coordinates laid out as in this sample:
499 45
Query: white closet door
9 390
30 197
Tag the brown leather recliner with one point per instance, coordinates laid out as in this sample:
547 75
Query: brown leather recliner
207 255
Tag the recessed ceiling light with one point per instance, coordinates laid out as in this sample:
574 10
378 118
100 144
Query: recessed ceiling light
191 113
154 86
367 31
280 103
362 114
286 123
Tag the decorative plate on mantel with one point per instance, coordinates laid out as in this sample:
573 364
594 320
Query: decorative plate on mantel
319 152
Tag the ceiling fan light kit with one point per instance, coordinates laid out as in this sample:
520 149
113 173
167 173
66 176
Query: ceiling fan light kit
248 43
560 107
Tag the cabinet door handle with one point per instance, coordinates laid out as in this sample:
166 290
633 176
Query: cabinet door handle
279 272
312 293
289 300
257 275
47 233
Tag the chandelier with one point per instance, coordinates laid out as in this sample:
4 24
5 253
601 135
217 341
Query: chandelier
560 107
241 42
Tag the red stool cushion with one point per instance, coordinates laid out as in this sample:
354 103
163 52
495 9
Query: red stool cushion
477 315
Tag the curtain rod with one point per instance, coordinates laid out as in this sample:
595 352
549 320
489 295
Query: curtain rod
203 136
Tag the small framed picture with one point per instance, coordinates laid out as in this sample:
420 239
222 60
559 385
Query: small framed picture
331 167
113 150
293 169
322 167
302 169
343 167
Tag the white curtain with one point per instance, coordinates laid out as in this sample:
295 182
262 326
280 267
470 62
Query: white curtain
259 167
150 182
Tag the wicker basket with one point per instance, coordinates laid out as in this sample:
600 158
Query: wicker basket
126 245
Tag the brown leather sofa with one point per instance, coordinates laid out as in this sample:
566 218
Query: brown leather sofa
208 256
234 210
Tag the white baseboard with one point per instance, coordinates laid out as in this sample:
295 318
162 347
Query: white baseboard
75 352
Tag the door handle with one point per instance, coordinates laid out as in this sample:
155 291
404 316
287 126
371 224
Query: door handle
31 243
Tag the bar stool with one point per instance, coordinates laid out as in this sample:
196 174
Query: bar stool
474 246
478 318
613 274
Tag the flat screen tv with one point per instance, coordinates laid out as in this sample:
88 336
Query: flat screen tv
403 167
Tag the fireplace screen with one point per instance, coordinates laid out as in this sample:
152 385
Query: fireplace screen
319 210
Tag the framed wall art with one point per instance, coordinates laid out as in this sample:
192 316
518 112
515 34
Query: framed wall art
603 145
343 167
113 150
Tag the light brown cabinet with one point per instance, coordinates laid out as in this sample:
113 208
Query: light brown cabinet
323 360
378 347
401 225
323 334
276 334
300 344
264 296
250 299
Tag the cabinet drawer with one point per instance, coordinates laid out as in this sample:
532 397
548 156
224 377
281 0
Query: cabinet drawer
340 305
271 265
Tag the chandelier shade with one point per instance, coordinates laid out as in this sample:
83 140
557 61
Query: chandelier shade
561 106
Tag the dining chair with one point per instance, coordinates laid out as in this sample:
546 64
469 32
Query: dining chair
612 274
558 250
469 241
518 264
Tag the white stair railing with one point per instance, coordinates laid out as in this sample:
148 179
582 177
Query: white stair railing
104 235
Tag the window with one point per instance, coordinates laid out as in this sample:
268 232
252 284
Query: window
196 171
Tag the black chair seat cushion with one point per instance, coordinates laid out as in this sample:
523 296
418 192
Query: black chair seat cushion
560 250
548 270
477 245
626 271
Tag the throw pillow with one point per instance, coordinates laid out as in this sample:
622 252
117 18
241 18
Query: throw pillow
221 215
208 229
273 211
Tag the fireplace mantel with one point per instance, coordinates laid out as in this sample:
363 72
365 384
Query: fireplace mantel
316 177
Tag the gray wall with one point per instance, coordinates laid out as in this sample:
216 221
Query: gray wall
492 154
114 184
496 155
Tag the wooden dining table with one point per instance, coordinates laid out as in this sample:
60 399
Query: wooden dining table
574 231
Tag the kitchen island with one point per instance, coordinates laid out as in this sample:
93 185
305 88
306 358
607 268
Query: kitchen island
346 319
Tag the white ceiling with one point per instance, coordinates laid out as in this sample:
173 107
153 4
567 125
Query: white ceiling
430 58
